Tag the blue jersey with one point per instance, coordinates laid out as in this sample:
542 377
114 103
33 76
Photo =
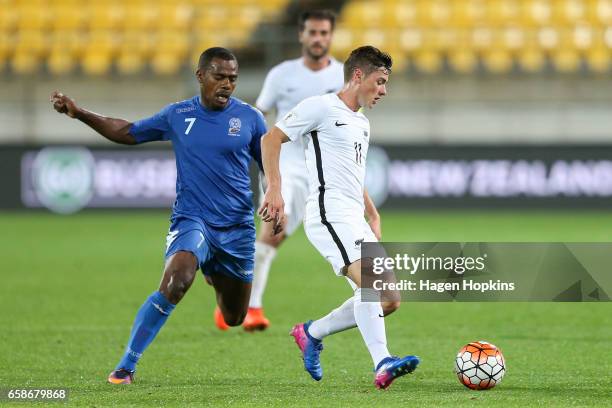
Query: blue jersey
213 150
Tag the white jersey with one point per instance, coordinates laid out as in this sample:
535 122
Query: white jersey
288 84
336 141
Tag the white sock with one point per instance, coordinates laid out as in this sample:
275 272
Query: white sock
341 318
264 255
372 327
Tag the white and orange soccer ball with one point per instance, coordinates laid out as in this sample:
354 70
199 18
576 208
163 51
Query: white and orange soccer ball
480 365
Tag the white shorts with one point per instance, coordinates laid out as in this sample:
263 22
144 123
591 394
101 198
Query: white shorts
294 189
338 240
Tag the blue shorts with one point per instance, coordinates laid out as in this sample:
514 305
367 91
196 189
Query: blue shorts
227 250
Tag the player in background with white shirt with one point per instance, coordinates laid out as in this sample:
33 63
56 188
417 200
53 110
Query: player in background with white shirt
335 137
286 85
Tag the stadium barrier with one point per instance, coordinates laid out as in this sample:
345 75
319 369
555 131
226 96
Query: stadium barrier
66 179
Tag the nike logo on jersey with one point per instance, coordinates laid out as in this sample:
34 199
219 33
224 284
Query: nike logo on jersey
340 124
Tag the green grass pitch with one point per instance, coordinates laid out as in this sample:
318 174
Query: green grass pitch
71 286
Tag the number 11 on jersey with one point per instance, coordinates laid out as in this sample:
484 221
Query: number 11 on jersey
358 153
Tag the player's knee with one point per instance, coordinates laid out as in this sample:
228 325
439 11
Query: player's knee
273 240
390 307
179 277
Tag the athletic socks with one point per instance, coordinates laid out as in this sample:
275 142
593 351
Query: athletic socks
341 318
264 255
150 318
371 323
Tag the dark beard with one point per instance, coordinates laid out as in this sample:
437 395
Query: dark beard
315 56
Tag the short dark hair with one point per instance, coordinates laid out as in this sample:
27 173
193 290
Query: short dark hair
317 15
215 52
368 59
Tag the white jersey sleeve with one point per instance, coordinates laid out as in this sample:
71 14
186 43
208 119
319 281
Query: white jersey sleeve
303 119
268 96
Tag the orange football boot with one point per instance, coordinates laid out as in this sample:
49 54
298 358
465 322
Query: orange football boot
255 320
219 321
121 376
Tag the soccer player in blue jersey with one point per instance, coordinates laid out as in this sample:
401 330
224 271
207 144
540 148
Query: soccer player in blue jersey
214 137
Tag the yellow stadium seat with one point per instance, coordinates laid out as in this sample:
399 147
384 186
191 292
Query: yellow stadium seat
96 62
33 15
582 37
435 13
548 38
532 60
411 40
129 63
135 47
513 38
248 17
362 14
25 63
401 13
8 16
566 60
176 15
400 61
136 41
141 15
172 42
602 10
343 39
7 44
537 12
211 18
598 59
482 38
67 41
467 13
205 40
497 61
31 42
463 60
374 37
570 12
428 61
105 41
67 16
504 12
105 15
60 62
166 63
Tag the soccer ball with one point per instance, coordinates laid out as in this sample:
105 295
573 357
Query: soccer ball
480 365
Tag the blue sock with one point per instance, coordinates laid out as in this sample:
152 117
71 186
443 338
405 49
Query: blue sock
150 318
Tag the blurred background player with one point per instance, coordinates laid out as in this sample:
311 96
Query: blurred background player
287 84
337 136
214 137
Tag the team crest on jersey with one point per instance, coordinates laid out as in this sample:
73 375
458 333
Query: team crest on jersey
234 127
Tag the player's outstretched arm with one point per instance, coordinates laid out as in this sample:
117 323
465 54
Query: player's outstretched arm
115 130
372 215
273 206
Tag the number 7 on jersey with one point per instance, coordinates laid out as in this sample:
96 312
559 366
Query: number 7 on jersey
191 122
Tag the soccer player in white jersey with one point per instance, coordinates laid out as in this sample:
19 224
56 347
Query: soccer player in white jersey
286 85
335 137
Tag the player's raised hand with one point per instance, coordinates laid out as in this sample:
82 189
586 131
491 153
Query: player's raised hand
273 208
64 104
